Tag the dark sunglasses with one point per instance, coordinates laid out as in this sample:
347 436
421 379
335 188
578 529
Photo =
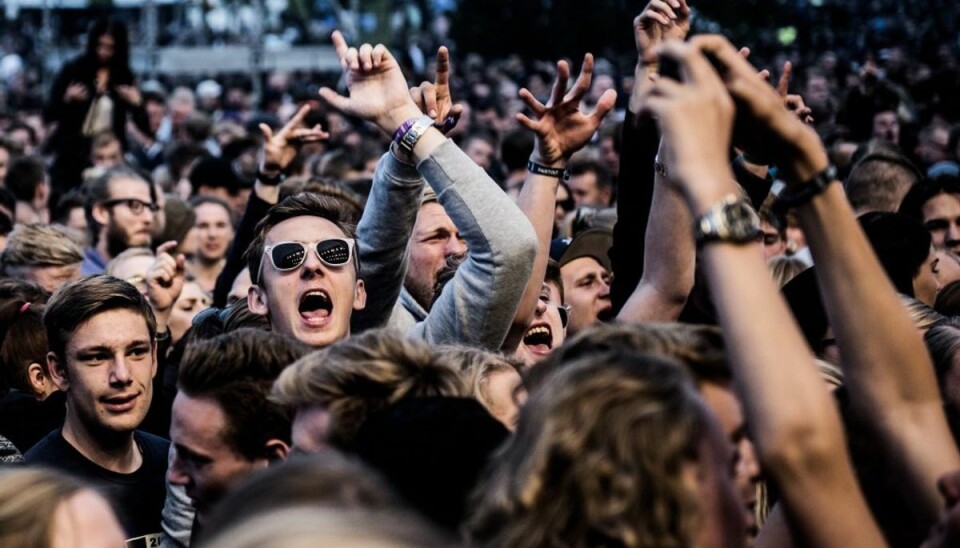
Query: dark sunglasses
564 311
286 256
134 205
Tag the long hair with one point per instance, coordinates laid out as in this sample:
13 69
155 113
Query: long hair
598 460
121 48
29 498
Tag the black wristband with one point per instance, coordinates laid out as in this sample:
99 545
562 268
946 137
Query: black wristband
271 181
791 198
538 169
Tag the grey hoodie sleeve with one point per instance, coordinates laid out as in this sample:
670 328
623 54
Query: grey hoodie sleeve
382 236
477 306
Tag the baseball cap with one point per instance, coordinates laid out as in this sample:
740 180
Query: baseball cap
594 243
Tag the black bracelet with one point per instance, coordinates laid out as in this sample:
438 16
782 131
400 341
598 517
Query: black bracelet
791 198
538 169
270 181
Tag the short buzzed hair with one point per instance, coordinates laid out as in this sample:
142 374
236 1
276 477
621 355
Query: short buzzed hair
38 245
879 182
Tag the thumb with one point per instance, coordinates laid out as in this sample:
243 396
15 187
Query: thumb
334 99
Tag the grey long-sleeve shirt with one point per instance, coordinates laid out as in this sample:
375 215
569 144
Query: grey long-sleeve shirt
477 307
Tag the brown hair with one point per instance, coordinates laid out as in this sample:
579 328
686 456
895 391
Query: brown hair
78 301
23 341
236 370
358 376
598 460
39 245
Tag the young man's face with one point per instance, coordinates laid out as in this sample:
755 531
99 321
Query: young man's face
313 302
107 156
214 232
108 372
434 238
129 220
547 330
941 216
586 287
587 192
204 463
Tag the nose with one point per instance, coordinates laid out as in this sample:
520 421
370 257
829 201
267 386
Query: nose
953 233
120 372
541 307
311 266
748 456
456 246
176 474
604 289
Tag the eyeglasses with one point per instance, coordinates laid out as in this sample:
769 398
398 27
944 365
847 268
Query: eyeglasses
286 256
134 205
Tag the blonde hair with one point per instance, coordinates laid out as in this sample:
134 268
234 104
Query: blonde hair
40 245
598 460
130 253
364 374
922 316
29 498
784 268
477 366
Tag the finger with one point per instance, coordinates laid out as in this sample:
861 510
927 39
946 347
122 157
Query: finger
181 264
532 103
684 8
720 49
560 85
694 67
417 95
377 55
339 44
659 6
166 247
744 52
334 99
783 86
582 85
353 59
430 99
267 132
455 113
364 56
655 16
604 106
526 122
296 121
443 69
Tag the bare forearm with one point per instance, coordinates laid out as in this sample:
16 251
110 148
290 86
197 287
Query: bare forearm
537 201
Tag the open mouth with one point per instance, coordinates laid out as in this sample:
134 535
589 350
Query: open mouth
315 306
539 339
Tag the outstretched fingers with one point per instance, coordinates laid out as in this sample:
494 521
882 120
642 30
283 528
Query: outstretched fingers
532 103
783 85
582 85
560 85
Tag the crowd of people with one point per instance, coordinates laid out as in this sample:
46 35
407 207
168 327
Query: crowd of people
507 306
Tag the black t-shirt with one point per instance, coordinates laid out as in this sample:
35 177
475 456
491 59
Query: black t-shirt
137 498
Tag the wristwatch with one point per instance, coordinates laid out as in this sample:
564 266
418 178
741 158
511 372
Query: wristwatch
732 220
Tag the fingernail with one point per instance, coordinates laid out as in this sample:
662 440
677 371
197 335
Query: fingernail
433 114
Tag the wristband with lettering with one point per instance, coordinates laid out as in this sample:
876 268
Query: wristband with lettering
538 169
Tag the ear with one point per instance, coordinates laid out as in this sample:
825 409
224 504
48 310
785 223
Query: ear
606 195
257 301
58 372
37 378
276 450
360 296
100 214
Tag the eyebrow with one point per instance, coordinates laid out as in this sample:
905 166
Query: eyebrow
102 347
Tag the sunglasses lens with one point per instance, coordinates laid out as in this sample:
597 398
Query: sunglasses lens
334 252
564 315
288 256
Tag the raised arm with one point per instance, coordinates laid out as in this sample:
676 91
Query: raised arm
887 370
795 424
561 129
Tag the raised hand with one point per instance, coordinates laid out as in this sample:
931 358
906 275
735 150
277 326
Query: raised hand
794 103
696 117
280 148
660 21
561 127
76 92
378 90
130 94
165 279
764 127
434 98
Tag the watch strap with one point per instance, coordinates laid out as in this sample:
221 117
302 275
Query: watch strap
416 130
271 181
799 195
712 226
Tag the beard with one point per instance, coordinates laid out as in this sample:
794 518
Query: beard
117 240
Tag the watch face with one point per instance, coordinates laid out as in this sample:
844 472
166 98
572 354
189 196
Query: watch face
738 222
